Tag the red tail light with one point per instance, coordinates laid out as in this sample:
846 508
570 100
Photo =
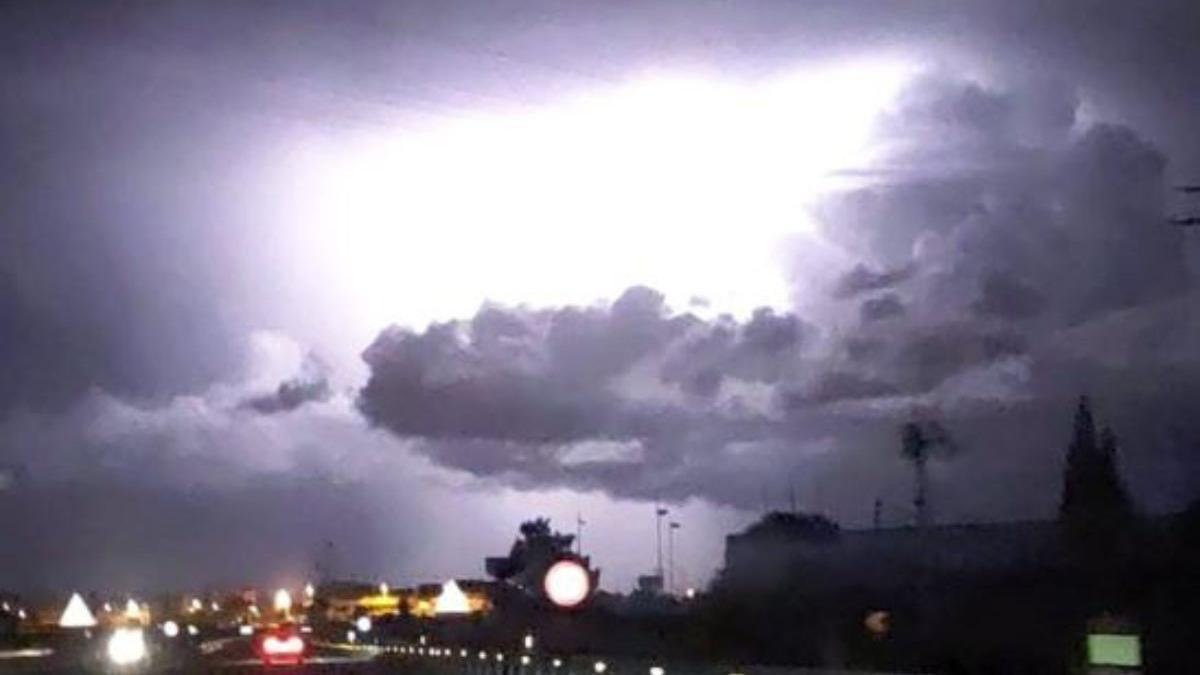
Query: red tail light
291 645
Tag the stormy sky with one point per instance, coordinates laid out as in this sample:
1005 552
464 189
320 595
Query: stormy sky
399 275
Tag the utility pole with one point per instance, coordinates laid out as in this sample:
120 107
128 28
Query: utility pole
671 527
579 523
659 512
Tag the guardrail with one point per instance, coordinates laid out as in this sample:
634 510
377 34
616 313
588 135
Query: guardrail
445 660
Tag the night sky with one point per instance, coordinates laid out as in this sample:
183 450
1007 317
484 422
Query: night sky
400 275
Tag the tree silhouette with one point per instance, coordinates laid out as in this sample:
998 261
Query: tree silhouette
1095 506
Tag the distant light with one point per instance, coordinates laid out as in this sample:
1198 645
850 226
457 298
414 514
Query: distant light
170 629
254 610
306 628
309 591
126 646
528 641
690 593
283 601
363 624
7 608
422 639
878 623
482 656
196 605
192 630
215 607
557 663
383 589
420 651
22 615
567 583
656 670
350 636
499 657
599 666
462 653
132 610
524 659
108 607
245 629
451 600
1114 650
76 614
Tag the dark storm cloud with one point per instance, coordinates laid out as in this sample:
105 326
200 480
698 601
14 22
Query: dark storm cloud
1003 225
545 376
862 279
1004 297
311 385
883 307
1025 242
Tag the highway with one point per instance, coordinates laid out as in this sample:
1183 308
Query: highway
229 655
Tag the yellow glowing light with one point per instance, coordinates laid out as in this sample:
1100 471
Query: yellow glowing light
567 583
132 610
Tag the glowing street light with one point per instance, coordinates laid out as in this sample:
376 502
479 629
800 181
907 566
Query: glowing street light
557 663
170 629
528 641
350 636
500 657
309 591
690 593
383 588
196 605
599 667
21 614
363 624
245 630
283 601
656 670
214 606
524 659
482 656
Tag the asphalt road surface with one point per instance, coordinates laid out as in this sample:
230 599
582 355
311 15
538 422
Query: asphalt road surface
232 655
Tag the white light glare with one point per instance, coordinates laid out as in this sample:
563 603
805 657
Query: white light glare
170 629
283 601
245 630
656 670
126 646
599 666
363 624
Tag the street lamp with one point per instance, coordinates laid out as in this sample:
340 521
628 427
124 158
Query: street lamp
599 667
528 641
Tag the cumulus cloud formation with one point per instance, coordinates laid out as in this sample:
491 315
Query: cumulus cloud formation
995 224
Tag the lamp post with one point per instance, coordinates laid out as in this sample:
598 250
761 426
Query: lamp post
659 512
671 527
